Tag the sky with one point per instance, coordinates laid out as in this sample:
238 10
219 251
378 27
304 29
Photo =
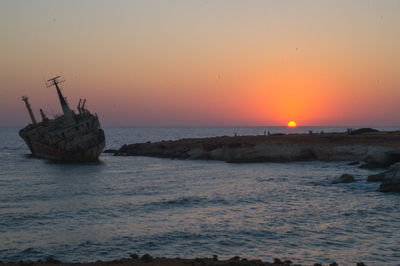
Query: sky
204 63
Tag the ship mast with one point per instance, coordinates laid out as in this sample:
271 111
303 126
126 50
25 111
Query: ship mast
54 82
28 106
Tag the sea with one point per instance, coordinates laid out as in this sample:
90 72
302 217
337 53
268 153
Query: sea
192 208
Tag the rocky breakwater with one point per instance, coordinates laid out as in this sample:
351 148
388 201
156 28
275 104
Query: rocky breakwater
377 149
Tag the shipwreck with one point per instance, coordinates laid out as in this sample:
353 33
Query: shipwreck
70 137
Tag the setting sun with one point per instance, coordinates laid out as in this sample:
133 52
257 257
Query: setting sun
291 124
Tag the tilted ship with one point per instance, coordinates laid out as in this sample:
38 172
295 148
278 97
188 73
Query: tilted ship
70 137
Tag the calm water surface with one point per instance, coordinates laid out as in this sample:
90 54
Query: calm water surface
170 208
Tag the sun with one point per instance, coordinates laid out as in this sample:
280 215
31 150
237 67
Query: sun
291 124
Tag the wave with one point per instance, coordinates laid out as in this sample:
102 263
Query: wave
12 148
180 202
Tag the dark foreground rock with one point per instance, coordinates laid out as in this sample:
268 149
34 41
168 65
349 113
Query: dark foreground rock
390 181
380 176
147 260
378 149
345 178
395 166
376 177
377 160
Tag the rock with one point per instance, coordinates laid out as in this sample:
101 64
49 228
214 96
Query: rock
146 258
362 131
394 156
256 263
376 177
210 146
134 256
395 166
345 178
390 182
24 263
381 159
235 258
52 260
376 160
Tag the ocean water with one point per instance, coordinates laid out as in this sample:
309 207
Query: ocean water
182 208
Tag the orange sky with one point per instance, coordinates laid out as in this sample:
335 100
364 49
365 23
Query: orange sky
195 63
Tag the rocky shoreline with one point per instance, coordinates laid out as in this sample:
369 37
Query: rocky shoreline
376 149
148 260
373 148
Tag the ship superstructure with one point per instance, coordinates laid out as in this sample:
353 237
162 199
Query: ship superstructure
75 137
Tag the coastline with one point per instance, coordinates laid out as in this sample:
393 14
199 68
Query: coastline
376 149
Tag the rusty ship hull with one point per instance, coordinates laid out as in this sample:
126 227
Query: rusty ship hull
74 150
48 152
71 137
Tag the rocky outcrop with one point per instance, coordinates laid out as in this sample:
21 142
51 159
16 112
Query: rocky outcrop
379 177
345 178
362 131
378 150
381 159
390 181
376 177
395 166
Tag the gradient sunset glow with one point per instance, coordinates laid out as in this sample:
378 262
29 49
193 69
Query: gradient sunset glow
197 63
